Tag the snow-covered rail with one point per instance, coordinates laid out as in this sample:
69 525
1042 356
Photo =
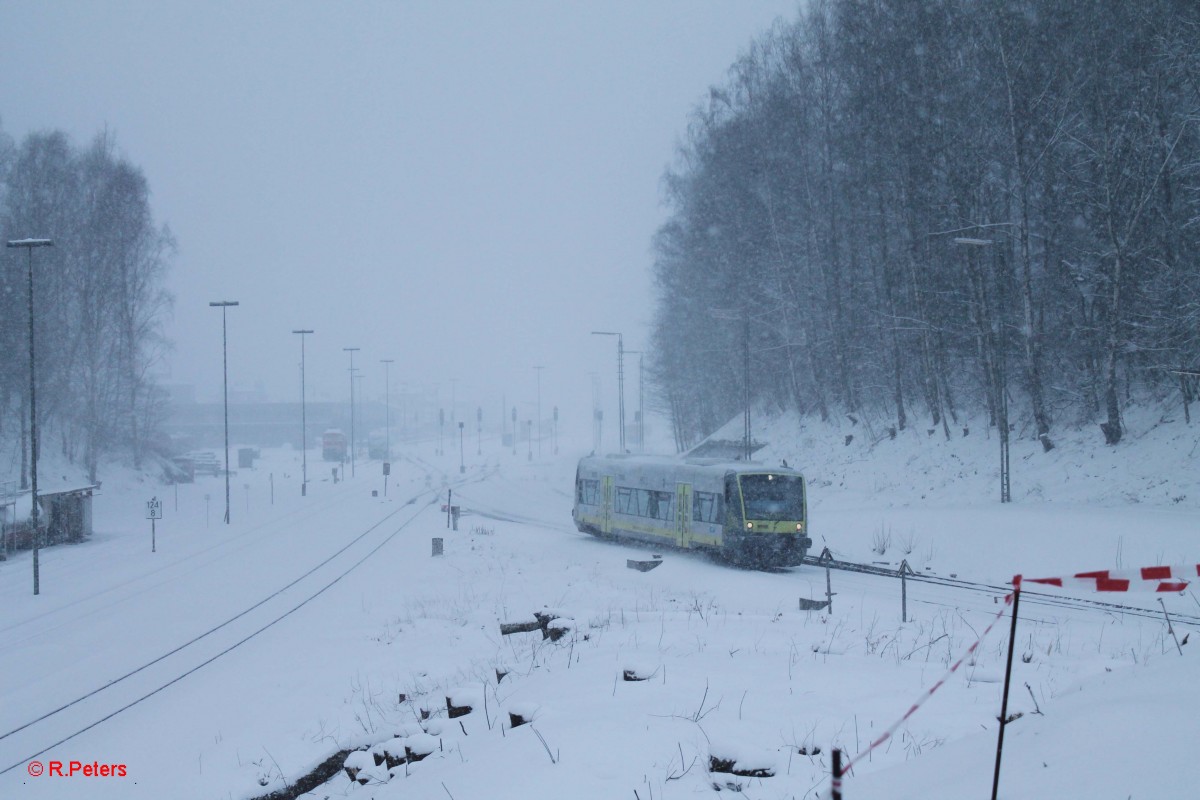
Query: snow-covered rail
217 647
1030 597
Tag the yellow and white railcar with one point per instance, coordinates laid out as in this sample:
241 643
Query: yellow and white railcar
746 512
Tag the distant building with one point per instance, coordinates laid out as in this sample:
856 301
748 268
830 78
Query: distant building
202 425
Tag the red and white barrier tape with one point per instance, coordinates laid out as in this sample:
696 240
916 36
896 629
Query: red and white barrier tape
1147 579
941 681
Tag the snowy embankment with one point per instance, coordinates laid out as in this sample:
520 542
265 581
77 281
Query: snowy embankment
728 675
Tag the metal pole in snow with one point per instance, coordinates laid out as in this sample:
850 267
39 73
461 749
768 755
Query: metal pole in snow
303 419
387 410
33 434
225 362
1012 639
153 511
828 589
836 783
1170 628
225 305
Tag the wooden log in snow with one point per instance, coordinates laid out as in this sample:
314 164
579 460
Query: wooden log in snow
453 711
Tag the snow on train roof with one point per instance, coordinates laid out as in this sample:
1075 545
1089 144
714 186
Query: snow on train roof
631 461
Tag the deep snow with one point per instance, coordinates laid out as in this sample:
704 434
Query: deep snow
735 671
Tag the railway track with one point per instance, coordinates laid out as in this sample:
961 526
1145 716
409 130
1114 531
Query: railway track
1028 597
95 707
207 647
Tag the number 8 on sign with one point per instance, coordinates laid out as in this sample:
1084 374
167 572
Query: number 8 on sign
153 512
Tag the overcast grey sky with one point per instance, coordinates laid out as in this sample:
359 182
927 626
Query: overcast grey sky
466 187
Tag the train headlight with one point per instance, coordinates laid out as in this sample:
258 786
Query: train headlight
799 527
749 526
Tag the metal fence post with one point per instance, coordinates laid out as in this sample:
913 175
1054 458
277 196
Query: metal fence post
828 589
905 569
1170 627
1012 638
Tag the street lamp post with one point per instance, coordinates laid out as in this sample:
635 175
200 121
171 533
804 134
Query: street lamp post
1000 379
303 420
641 414
620 381
358 377
539 408
641 406
462 458
29 244
351 351
224 305
387 405
597 415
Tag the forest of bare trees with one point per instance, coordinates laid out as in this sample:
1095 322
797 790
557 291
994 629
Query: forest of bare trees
98 301
918 209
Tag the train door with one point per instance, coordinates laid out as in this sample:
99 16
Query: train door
683 513
608 504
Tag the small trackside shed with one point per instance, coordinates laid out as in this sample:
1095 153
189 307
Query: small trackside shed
64 515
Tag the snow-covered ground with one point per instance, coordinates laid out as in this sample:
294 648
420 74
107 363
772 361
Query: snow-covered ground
236 658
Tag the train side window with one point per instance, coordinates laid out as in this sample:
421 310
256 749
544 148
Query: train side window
706 507
590 492
625 503
666 506
650 509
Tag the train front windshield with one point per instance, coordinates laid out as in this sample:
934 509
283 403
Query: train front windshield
773 497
